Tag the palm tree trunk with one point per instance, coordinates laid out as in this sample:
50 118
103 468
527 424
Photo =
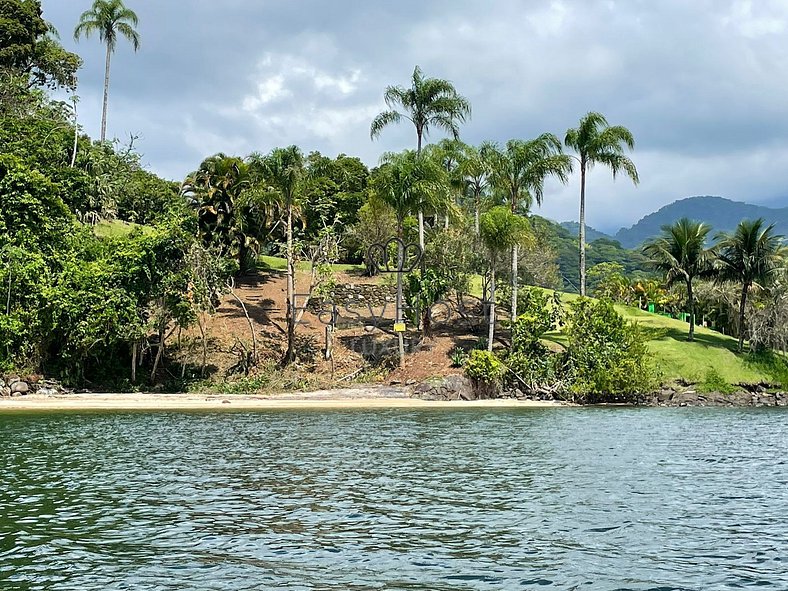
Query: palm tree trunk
419 134
491 327
742 306
476 219
106 95
691 301
290 353
515 255
582 228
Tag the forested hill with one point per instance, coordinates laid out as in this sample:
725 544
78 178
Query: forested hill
564 243
722 214
591 233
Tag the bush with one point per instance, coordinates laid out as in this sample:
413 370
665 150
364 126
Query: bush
484 366
714 382
606 359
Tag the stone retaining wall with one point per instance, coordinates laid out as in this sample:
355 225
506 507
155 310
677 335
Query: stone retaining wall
359 295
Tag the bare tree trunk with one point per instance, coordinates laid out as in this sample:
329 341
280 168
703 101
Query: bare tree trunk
249 321
491 327
76 136
691 298
515 255
204 346
582 228
106 95
134 362
160 351
742 306
290 353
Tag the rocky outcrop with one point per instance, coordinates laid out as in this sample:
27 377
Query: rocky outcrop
449 388
15 386
674 397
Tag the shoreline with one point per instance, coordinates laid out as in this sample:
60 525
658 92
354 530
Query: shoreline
366 398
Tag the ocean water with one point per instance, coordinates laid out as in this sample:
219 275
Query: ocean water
427 499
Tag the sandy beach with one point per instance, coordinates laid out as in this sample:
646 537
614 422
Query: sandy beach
382 397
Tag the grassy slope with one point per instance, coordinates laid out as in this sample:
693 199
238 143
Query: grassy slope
675 356
116 229
270 263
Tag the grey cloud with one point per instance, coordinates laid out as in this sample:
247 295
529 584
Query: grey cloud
701 84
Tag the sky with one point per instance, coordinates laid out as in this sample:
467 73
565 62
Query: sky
702 84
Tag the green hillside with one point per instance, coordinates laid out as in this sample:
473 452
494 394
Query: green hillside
722 214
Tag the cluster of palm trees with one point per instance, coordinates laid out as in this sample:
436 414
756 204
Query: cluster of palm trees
751 256
441 177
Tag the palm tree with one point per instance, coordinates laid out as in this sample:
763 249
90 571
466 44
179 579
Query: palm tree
518 172
428 103
500 230
284 169
473 169
681 254
597 142
110 19
214 190
750 256
448 154
409 183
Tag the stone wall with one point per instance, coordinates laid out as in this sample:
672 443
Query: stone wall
359 295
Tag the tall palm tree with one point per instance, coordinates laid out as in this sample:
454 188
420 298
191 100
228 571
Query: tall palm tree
428 103
750 256
110 19
681 254
518 172
596 142
284 169
500 230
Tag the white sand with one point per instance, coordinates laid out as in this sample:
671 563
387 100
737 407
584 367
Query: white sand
325 399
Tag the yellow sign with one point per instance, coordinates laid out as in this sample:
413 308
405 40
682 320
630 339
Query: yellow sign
399 327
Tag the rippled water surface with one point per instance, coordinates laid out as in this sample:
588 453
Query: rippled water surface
395 499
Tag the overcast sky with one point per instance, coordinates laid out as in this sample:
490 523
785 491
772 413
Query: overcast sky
702 84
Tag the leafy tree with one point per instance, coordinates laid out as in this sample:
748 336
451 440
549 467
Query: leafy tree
214 190
518 172
500 231
606 357
428 103
596 142
750 256
681 254
110 19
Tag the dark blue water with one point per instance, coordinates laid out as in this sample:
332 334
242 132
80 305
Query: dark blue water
395 499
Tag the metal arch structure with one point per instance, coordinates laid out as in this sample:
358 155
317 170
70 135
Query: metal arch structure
382 258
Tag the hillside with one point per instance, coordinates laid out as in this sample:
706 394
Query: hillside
722 214
591 233
601 250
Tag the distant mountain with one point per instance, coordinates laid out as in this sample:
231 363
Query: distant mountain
721 214
591 233
600 250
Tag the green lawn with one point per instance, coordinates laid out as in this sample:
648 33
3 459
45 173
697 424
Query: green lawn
269 263
116 229
676 357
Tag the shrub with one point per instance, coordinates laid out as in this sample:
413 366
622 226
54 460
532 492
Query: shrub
714 382
606 358
484 366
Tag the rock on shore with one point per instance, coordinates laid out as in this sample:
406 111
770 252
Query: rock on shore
12 386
